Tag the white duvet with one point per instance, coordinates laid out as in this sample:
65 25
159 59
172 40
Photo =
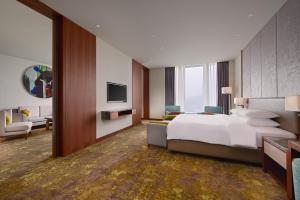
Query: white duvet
215 129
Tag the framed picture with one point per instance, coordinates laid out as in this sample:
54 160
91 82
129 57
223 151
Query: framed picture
37 81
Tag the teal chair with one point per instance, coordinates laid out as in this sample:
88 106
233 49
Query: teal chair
172 109
296 177
213 109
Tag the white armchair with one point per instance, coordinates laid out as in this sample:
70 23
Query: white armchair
14 128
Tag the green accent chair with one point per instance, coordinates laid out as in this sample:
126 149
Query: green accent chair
296 177
172 109
213 109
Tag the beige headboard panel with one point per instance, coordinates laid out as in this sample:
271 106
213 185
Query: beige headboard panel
288 120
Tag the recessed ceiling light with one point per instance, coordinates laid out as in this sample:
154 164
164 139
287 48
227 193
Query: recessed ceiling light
97 26
153 35
250 15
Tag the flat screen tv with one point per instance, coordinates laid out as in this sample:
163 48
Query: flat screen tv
116 92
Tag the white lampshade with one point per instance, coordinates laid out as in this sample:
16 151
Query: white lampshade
292 103
240 101
226 90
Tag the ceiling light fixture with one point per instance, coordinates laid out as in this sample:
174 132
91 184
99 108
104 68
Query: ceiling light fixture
250 15
97 26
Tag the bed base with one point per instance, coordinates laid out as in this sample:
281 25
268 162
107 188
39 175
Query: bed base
217 151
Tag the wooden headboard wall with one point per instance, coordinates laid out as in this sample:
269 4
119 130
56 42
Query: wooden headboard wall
288 120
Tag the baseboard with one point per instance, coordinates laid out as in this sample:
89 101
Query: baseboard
112 134
160 119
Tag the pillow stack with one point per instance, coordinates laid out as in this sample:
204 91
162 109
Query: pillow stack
257 118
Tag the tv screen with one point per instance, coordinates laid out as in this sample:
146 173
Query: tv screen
116 92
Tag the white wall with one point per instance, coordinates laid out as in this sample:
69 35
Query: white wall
157 92
12 92
112 66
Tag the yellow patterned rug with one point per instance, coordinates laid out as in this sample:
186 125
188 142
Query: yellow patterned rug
123 167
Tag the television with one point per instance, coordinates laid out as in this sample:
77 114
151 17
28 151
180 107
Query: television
116 92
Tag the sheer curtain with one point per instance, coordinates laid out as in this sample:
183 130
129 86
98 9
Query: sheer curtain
212 85
179 86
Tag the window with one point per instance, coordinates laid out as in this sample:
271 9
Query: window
193 101
196 87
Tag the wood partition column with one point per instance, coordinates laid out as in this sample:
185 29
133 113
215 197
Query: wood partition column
137 96
76 88
74 82
146 93
136 92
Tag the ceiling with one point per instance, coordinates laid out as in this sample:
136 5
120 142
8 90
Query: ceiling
24 33
161 33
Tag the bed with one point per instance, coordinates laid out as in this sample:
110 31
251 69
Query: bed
229 145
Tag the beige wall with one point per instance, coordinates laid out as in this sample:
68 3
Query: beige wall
235 77
238 76
112 66
157 92
12 92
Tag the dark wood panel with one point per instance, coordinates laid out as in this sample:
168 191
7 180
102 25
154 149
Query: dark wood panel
136 92
268 59
146 93
77 88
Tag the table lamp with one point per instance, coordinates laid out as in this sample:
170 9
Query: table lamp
240 102
227 91
292 103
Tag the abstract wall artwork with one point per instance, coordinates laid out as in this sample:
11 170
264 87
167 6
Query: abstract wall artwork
37 81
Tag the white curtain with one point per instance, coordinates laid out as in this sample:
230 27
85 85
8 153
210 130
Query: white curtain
212 84
179 86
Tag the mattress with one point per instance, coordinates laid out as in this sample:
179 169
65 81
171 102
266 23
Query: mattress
220 129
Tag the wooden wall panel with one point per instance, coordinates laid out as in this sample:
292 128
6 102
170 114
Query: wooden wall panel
247 72
136 92
146 93
268 59
77 88
288 43
256 66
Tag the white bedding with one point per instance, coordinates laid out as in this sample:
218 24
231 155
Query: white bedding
215 129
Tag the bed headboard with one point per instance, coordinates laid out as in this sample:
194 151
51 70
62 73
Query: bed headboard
288 120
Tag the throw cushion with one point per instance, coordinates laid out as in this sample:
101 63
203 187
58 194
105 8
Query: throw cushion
169 117
207 113
8 119
26 113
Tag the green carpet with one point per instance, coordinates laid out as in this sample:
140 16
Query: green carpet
123 167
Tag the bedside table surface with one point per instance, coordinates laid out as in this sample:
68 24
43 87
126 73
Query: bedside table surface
280 143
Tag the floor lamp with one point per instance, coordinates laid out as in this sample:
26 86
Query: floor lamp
227 91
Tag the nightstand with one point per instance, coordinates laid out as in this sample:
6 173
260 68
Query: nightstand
275 158
293 152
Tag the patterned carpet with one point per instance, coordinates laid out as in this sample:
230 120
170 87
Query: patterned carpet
123 167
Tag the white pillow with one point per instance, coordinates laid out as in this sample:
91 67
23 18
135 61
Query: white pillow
261 122
252 113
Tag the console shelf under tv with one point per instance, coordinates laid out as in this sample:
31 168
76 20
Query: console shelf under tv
115 114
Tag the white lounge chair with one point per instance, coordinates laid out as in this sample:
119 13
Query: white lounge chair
15 128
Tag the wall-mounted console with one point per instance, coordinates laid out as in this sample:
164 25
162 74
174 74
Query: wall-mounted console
115 114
